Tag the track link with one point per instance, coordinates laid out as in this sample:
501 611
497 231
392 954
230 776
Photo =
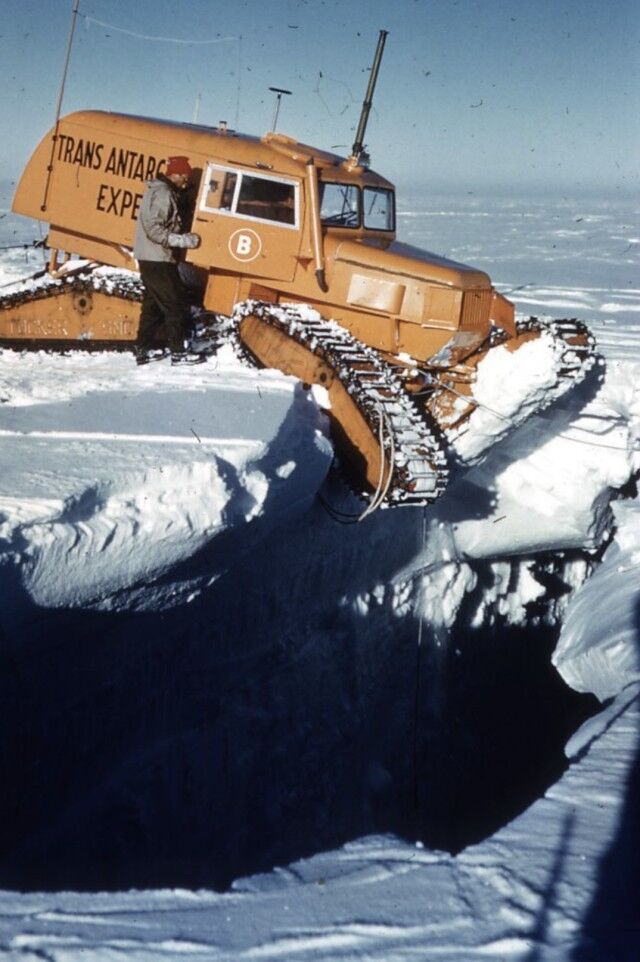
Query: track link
77 281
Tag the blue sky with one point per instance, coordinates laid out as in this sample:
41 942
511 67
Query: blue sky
471 94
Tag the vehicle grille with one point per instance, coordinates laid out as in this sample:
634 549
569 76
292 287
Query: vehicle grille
476 308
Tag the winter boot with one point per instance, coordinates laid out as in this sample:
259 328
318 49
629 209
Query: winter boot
144 355
186 357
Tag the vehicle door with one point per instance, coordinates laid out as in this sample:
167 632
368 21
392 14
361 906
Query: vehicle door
249 222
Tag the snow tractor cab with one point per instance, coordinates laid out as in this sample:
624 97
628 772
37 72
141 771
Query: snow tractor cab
298 248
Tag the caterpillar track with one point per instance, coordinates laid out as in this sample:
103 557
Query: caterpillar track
381 433
83 309
390 441
449 396
574 340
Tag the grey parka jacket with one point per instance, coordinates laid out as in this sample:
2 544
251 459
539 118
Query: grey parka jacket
157 218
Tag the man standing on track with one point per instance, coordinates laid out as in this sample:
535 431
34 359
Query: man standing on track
159 238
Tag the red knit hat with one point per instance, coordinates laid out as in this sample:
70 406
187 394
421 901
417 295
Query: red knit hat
178 165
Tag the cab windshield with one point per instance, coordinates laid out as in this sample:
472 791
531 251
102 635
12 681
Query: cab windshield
340 205
346 205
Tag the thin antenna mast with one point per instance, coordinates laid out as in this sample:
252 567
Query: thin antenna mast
74 16
196 109
239 87
279 91
357 150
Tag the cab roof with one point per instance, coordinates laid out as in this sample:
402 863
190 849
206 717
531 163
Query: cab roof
273 151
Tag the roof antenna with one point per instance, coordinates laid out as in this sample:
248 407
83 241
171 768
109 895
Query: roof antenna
74 15
196 109
358 153
279 91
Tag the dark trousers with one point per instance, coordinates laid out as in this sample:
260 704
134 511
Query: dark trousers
165 306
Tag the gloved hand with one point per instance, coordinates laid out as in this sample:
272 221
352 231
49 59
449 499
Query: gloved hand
184 240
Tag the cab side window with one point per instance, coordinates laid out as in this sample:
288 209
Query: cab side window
255 197
379 208
228 191
266 199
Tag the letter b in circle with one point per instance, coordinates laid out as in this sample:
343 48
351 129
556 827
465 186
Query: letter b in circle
244 245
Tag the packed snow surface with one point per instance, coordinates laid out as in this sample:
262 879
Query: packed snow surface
114 474
118 484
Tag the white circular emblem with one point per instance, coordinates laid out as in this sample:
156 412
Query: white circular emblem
244 245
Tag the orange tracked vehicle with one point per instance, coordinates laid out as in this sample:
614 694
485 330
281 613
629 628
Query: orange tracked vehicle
298 247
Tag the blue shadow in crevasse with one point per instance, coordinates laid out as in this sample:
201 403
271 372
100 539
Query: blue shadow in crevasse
611 929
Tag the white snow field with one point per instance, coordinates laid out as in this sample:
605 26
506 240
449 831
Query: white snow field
353 731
